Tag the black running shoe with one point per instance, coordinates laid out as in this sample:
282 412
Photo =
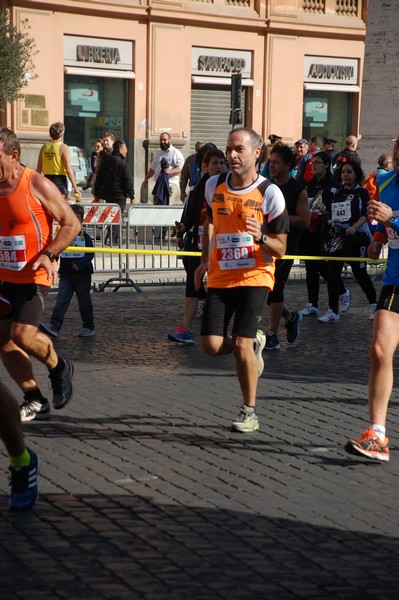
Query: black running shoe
62 385
293 327
34 409
23 481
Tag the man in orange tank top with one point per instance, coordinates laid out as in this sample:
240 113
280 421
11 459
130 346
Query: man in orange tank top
28 205
247 226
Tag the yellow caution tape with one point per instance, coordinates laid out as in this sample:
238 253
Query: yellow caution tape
187 253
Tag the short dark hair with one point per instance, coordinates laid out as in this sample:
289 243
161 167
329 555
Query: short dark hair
317 140
256 140
79 211
10 141
206 148
211 154
324 157
286 154
117 145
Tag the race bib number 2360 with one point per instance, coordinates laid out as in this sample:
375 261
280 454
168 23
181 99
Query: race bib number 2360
235 250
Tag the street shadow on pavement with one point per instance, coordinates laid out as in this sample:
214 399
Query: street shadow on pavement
127 547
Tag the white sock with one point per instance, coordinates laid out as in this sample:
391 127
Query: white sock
380 431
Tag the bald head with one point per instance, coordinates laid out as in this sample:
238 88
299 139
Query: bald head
351 142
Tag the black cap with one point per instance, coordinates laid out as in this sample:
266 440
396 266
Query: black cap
330 140
274 138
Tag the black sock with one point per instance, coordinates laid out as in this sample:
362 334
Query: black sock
59 366
34 395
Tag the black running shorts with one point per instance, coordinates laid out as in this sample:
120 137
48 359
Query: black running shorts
389 298
245 303
27 301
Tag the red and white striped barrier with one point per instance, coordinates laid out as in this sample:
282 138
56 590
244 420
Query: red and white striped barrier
102 213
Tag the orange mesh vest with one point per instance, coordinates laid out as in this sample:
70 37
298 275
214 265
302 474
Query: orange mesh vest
25 230
235 259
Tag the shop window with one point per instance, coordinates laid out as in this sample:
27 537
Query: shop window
327 114
94 105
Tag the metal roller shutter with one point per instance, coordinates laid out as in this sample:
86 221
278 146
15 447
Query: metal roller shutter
210 113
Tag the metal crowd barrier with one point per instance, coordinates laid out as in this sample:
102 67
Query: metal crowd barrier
152 227
146 227
104 224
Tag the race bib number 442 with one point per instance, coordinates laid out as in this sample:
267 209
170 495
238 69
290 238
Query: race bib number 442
235 250
12 252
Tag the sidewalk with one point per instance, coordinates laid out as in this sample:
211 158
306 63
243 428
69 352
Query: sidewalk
146 494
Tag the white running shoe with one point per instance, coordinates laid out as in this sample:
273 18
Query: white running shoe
345 301
259 344
329 317
372 311
309 311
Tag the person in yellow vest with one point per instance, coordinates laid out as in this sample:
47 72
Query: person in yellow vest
55 163
246 228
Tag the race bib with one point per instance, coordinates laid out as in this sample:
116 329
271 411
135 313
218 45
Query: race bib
341 211
12 252
78 241
235 250
199 237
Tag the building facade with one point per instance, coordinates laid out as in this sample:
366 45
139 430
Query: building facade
379 123
140 67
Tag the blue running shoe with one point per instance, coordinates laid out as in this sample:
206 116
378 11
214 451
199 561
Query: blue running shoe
184 336
23 481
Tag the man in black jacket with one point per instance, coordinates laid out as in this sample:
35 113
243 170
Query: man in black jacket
114 182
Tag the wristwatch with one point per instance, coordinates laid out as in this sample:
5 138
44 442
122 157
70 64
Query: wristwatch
263 239
52 257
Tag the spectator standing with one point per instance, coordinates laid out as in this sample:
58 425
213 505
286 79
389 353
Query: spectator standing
321 191
114 182
94 159
329 147
176 161
191 171
305 173
75 273
349 221
247 223
55 163
347 154
300 150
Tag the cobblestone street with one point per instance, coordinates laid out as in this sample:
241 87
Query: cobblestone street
145 492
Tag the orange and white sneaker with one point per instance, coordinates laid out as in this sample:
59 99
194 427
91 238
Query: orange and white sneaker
369 445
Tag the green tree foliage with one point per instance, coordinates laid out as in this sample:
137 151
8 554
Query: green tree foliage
16 52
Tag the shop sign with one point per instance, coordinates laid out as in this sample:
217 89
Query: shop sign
97 53
220 63
330 70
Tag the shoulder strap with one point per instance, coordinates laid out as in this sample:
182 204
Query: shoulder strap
382 187
262 187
